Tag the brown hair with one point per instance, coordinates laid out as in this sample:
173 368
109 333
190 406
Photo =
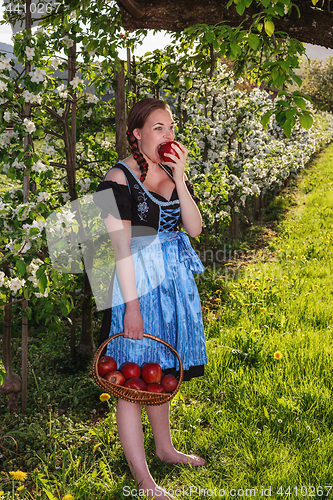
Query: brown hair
136 119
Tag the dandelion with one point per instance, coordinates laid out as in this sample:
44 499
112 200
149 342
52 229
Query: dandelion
104 397
271 314
284 277
231 295
18 475
277 355
2 493
263 309
68 497
255 331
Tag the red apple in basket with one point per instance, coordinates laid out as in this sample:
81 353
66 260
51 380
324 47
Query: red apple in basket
106 364
115 377
130 370
136 383
169 382
151 373
155 388
166 147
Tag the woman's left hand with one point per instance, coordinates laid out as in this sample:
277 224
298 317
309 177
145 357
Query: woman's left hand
177 164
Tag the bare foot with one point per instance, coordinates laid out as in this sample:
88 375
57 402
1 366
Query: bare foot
175 457
153 491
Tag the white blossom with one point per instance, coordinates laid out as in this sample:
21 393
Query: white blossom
92 99
30 53
5 63
7 116
3 86
29 125
38 75
68 42
56 62
39 167
43 196
75 82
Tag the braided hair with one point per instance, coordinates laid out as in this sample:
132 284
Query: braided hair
136 119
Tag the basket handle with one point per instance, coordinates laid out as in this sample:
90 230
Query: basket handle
148 336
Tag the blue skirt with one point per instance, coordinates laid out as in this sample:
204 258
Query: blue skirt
169 303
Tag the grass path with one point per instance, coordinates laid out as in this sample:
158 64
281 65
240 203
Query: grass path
263 414
268 422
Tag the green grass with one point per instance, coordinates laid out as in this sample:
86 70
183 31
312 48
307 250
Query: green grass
260 422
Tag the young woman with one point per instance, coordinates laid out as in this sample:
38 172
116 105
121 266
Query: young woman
153 199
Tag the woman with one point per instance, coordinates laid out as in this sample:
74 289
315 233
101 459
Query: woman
153 289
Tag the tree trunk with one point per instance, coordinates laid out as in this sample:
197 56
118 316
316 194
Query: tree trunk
120 104
86 345
12 382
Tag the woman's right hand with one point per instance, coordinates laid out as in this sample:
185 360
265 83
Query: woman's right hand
133 322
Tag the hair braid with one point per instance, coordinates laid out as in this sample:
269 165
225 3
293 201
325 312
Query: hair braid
136 119
138 156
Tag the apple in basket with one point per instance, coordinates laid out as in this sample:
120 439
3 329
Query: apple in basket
166 147
155 388
169 382
130 370
151 373
106 364
115 377
136 383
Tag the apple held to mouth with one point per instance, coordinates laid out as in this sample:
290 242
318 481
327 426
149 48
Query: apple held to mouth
166 147
130 370
169 382
106 364
136 383
115 377
151 373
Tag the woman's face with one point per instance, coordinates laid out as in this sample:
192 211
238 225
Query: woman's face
158 128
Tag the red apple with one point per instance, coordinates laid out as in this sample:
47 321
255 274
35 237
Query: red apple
155 388
130 370
136 383
115 377
106 364
166 147
151 373
169 382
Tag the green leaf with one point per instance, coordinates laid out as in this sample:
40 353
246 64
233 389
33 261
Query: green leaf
287 128
210 36
306 120
279 81
269 27
41 270
235 49
300 102
26 293
42 283
240 7
253 41
265 118
315 2
266 412
188 82
21 267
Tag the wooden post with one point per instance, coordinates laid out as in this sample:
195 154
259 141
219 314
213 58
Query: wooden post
120 104
129 83
134 76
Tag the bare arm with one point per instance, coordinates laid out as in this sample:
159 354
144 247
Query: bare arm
120 235
191 216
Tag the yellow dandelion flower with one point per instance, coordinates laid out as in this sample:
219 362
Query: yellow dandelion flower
18 475
255 331
267 278
278 355
240 328
316 286
284 277
271 314
263 309
68 497
218 299
104 397
2 493
96 446
20 488
231 295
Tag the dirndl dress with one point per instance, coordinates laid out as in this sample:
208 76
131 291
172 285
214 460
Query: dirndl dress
164 266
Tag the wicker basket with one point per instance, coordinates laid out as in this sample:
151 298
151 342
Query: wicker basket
132 395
